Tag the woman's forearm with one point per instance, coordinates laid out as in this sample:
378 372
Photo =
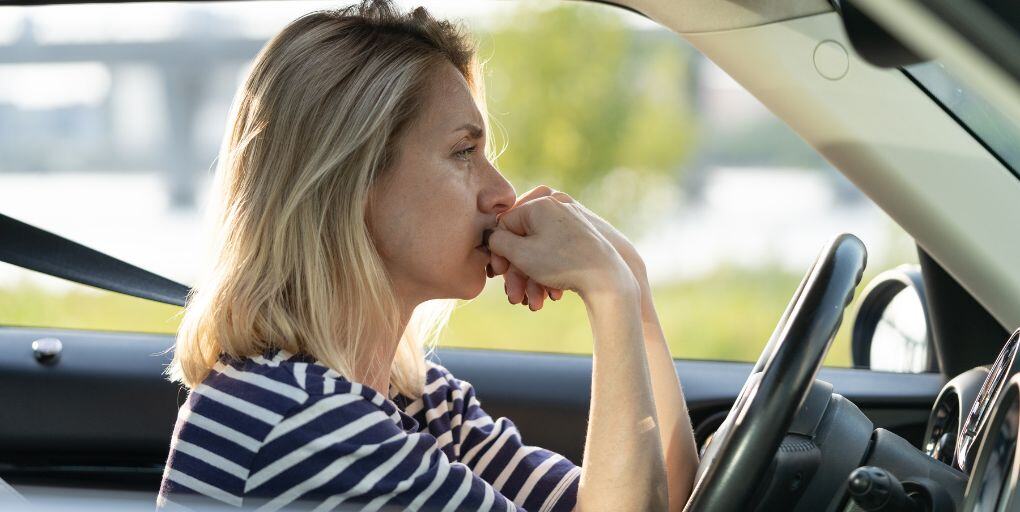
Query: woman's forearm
623 466
679 449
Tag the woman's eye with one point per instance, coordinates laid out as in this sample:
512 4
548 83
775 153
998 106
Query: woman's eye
465 153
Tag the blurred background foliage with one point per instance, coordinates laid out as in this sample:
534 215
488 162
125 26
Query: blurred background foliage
579 100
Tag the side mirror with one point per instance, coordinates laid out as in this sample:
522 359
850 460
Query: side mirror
891 330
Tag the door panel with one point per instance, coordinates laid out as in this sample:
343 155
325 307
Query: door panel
103 414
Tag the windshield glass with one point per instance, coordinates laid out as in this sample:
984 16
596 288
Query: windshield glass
993 129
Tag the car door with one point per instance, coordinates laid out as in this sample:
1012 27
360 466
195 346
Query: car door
101 414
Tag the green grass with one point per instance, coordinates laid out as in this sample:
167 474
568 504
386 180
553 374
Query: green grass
726 316
84 308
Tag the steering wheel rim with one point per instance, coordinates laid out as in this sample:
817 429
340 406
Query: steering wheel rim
781 379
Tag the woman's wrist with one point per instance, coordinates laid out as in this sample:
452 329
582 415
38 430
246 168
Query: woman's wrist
616 286
640 272
649 316
637 268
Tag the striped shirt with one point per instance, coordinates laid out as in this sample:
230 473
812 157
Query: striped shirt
284 431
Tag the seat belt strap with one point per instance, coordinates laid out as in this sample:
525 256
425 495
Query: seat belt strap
36 249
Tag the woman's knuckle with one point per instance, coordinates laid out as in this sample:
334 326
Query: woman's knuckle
552 201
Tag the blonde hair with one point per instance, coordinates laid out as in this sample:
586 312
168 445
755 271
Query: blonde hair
313 127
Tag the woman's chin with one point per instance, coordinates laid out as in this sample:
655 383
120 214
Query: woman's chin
476 288
475 277
473 285
465 288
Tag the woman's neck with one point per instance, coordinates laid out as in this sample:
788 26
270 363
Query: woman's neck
380 363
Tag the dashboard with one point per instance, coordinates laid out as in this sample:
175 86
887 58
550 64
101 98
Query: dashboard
974 427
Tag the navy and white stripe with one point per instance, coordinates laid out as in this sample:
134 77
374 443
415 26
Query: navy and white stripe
283 431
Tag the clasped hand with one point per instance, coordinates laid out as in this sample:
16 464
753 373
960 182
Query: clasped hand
548 242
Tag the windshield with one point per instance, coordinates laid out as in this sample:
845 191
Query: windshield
993 129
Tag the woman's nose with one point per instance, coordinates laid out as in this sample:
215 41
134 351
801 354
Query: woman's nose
499 195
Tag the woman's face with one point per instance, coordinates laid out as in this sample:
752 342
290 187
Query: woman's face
428 213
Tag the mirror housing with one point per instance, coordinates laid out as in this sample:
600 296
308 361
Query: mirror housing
872 41
891 330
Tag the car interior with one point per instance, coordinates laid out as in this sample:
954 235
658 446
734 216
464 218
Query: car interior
926 420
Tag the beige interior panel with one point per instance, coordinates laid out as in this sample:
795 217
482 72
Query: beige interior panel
889 139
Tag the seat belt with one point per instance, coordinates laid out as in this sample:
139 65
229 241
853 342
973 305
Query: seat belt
36 249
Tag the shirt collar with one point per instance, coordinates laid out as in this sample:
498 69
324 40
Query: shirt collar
274 356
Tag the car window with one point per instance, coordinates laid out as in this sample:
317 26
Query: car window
109 126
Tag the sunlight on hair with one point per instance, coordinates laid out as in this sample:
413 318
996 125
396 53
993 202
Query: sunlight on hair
295 267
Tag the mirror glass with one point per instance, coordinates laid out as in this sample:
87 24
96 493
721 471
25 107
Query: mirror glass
900 342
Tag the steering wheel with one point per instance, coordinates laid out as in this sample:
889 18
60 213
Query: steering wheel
745 444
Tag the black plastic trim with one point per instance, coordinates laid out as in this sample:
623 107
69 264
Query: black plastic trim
964 333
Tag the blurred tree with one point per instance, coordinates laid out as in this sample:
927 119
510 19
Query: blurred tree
578 95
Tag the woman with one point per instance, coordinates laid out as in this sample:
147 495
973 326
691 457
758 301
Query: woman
355 200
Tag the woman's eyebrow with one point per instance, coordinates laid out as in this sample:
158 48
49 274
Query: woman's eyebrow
475 131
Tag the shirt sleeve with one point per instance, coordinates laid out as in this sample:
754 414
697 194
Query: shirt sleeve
342 450
534 478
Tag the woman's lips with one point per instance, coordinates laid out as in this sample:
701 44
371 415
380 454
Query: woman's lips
484 246
484 249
